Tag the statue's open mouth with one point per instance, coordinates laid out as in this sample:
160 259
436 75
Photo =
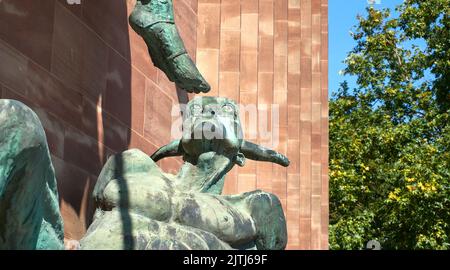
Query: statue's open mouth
208 130
211 135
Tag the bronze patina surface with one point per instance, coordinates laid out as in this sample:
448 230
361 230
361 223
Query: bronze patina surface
154 21
141 207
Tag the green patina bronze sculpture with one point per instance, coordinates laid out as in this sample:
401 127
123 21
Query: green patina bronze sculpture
154 21
140 207
29 209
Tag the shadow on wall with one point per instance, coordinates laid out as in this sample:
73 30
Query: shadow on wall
71 64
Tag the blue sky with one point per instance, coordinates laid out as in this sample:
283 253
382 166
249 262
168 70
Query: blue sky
342 17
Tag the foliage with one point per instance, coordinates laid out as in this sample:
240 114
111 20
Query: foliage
390 137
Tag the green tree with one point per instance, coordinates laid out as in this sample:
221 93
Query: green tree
390 137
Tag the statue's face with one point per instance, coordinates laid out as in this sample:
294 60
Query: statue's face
212 124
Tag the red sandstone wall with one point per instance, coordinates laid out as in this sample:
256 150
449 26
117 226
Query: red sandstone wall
276 52
90 79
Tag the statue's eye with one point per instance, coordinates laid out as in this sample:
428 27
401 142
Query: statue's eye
196 110
227 108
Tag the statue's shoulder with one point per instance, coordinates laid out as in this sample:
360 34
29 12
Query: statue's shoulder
125 165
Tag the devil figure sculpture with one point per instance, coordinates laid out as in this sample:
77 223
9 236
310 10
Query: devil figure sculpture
140 207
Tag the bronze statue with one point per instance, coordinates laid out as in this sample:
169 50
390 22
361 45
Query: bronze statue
29 209
154 21
186 211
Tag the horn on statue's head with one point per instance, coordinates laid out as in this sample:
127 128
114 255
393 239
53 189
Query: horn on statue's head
172 149
260 153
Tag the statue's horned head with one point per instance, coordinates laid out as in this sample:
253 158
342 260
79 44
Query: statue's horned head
212 124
